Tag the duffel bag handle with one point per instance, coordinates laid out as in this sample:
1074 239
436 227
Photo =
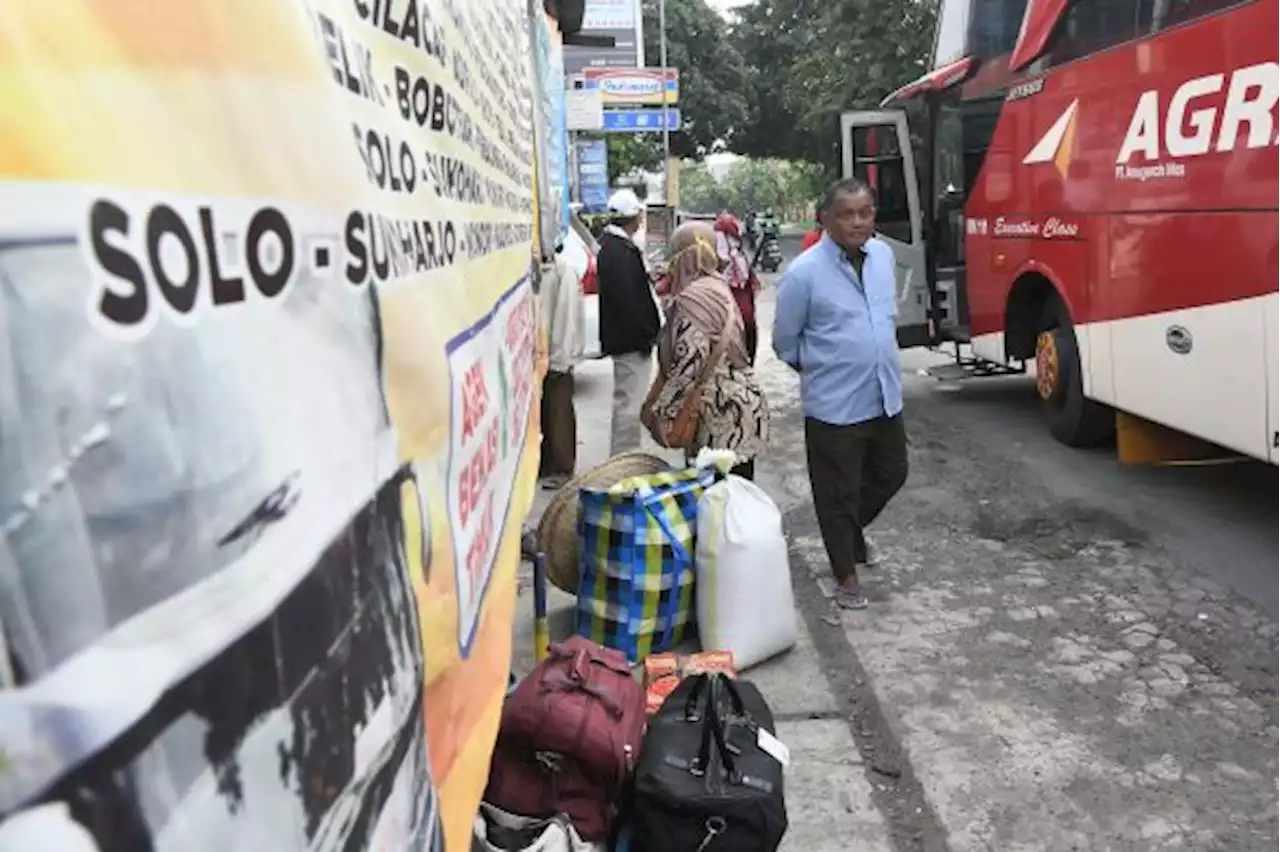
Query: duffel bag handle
691 713
713 732
560 682
735 700
651 498
596 656
691 709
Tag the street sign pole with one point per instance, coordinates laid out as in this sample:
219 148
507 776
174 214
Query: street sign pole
666 126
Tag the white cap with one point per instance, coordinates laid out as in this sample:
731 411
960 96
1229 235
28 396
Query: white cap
625 203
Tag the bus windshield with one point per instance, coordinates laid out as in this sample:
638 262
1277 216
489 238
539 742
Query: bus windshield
980 29
949 42
995 27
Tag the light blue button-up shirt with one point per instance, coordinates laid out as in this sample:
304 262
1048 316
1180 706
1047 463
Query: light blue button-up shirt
838 329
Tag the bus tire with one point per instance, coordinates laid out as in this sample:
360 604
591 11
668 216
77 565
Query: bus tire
1073 418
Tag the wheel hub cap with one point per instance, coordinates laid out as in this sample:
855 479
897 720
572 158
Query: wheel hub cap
1046 365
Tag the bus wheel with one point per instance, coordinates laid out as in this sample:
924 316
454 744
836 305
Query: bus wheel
1073 419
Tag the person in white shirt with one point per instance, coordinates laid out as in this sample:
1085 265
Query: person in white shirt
562 302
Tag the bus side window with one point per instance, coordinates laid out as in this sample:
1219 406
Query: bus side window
878 160
1091 26
1172 13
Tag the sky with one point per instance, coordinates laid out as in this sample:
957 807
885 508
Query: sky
723 6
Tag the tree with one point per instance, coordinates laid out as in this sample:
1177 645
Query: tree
802 184
770 35
633 152
789 188
713 75
811 60
700 192
759 184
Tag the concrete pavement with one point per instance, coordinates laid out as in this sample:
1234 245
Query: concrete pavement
829 797
1061 654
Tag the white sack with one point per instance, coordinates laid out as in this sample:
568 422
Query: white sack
744 599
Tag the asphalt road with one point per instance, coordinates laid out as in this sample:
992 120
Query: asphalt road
1219 521
1061 653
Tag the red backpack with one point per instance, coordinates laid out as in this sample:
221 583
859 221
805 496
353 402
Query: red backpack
570 739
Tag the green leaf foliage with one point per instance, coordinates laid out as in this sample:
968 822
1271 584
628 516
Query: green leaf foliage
632 152
771 84
790 188
713 75
810 60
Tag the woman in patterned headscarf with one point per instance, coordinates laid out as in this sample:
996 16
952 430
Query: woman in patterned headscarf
733 413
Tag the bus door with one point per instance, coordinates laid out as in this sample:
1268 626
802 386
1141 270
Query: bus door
877 149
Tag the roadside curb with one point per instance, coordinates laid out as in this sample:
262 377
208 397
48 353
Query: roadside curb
912 824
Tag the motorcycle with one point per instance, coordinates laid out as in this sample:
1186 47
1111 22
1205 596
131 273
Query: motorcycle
768 250
770 254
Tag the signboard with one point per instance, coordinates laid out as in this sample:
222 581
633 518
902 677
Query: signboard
642 120
619 20
658 226
551 120
610 14
634 86
267 418
593 174
584 110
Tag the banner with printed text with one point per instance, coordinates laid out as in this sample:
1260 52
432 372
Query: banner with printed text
269 365
549 66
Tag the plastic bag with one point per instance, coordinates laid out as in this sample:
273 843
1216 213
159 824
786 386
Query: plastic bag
721 460
744 600
636 590
498 831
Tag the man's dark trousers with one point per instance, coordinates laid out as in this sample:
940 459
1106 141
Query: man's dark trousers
559 426
854 472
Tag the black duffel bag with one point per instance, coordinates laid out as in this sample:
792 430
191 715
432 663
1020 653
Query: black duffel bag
710 776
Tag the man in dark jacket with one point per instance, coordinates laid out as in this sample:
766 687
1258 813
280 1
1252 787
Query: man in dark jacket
629 322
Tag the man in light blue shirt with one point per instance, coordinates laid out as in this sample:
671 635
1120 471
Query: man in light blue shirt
835 326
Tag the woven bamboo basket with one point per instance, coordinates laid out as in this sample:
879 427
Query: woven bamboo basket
558 530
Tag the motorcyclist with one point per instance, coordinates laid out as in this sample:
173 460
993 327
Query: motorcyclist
768 250
767 224
751 233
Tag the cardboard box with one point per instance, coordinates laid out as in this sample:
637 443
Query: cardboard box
656 693
663 673
683 665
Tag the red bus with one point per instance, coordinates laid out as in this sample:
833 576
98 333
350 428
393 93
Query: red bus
1092 184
